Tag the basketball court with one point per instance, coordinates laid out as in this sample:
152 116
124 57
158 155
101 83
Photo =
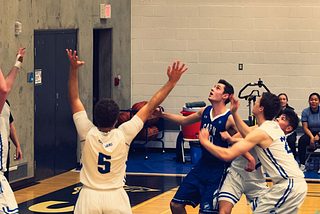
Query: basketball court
150 185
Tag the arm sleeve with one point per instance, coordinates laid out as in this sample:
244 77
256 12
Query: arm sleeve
83 124
304 116
131 128
10 117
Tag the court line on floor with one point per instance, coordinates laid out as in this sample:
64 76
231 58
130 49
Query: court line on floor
154 198
308 180
156 174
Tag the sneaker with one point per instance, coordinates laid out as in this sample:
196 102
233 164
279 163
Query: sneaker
303 168
319 171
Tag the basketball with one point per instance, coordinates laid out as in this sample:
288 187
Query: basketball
138 106
151 133
152 120
155 131
123 117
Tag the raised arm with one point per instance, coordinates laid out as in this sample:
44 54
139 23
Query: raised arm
10 78
243 128
174 75
7 83
73 89
3 90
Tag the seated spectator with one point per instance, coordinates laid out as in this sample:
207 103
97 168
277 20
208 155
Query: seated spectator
292 136
310 119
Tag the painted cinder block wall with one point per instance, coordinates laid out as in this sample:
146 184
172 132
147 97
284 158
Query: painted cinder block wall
277 41
60 15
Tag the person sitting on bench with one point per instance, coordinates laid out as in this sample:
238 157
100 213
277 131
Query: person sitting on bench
310 119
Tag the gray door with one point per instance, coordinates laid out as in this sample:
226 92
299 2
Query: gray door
55 138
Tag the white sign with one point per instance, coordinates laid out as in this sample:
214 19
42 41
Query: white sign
38 77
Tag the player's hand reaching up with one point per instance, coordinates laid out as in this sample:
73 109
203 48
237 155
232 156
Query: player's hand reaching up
234 104
21 53
175 72
73 58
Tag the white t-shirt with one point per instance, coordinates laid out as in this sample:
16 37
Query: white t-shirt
240 163
5 113
104 155
4 146
277 161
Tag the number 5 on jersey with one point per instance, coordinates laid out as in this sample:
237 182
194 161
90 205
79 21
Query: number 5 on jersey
103 163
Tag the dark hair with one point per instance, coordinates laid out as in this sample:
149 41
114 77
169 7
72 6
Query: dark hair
271 104
314 93
106 113
292 118
284 95
228 89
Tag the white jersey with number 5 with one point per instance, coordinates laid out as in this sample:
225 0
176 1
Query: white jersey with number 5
104 155
277 159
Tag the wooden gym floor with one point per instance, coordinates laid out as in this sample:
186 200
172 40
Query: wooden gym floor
149 192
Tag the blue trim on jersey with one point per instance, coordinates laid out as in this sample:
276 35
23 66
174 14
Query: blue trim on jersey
285 195
274 161
8 211
1 153
254 203
258 165
229 195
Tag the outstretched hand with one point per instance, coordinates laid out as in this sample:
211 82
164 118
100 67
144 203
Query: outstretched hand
175 72
157 112
234 104
73 58
21 53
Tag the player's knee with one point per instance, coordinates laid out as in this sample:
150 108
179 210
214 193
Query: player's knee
225 207
175 207
224 211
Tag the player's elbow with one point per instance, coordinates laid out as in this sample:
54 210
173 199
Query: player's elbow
227 156
4 90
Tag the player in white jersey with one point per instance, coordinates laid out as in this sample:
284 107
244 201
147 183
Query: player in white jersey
104 148
289 187
239 179
8 202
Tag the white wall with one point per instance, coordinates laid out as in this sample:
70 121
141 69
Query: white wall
277 41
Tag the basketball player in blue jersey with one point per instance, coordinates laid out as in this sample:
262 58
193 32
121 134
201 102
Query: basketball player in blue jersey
201 186
8 202
289 187
104 149
240 181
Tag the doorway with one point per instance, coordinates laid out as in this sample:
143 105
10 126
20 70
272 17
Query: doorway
102 58
55 137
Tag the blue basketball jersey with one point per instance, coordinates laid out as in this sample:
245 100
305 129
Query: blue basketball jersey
215 126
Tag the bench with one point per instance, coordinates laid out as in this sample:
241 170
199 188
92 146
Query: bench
310 153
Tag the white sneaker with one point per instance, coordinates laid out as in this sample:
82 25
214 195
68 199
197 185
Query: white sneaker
303 168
